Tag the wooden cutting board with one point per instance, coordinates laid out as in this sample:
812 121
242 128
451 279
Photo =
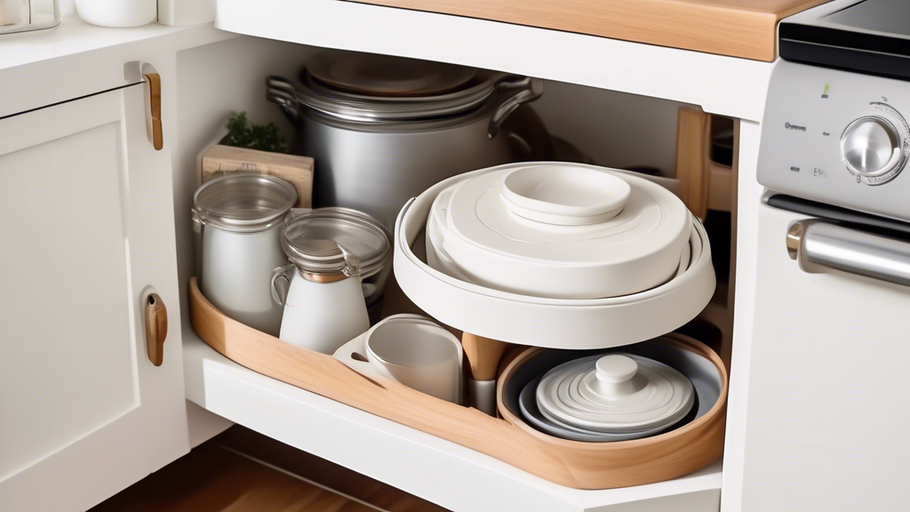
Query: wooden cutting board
738 28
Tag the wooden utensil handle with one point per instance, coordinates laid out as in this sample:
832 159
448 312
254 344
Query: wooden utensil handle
483 355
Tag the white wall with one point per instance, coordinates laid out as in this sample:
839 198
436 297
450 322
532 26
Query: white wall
615 129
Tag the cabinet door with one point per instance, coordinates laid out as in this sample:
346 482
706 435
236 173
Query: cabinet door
87 233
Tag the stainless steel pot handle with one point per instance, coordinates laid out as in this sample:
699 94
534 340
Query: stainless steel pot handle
282 92
819 245
528 89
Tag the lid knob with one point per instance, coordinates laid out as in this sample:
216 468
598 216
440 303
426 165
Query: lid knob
614 376
615 368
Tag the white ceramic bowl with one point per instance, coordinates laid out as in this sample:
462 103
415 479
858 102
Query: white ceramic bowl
565 195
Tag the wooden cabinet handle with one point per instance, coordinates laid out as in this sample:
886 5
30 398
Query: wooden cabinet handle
155 328
154 80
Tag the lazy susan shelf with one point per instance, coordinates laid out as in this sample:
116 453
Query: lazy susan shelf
549 323
570 463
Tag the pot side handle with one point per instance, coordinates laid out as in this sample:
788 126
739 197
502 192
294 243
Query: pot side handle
279 90
527 90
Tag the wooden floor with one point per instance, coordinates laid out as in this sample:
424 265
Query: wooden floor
241 471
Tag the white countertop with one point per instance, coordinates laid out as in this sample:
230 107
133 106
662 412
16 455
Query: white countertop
74 36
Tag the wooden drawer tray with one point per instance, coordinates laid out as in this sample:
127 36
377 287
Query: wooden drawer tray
569 463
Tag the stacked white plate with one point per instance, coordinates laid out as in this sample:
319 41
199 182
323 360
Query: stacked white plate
559 230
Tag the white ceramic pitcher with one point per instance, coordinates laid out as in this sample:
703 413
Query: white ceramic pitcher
321 312
324 303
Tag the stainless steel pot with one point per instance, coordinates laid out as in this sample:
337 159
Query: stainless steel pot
374 153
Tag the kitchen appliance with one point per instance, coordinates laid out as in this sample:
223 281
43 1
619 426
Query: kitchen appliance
26 15
410 349
383 129
238 218
324 306
832 258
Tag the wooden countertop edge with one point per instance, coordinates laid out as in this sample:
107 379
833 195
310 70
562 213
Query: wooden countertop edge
717 29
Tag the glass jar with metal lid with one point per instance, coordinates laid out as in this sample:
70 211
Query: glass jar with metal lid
330 251
239 218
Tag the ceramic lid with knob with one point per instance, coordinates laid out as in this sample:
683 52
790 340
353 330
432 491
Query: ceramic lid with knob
615 393
562 230
333 241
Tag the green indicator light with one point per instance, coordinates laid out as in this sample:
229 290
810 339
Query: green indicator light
827 86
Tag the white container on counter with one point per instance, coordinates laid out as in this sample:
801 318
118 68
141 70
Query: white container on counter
117 13
185 12
240 217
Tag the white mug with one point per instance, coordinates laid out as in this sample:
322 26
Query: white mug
319 316
412 350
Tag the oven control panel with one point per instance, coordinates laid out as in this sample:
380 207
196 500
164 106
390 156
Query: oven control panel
837 137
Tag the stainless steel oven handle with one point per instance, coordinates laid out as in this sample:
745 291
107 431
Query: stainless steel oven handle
819 245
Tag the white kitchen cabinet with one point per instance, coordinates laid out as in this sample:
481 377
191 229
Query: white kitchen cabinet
91 212
87 234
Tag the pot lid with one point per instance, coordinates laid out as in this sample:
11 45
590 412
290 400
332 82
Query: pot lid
565 214
336 240
386 76
244 202
615 393
373 95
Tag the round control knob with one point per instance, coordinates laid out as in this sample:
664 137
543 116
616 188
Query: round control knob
871 146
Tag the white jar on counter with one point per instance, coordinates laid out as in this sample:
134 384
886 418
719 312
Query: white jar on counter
117 13
240 217
329 251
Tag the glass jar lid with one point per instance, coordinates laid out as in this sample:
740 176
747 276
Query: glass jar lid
330 241
244 203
